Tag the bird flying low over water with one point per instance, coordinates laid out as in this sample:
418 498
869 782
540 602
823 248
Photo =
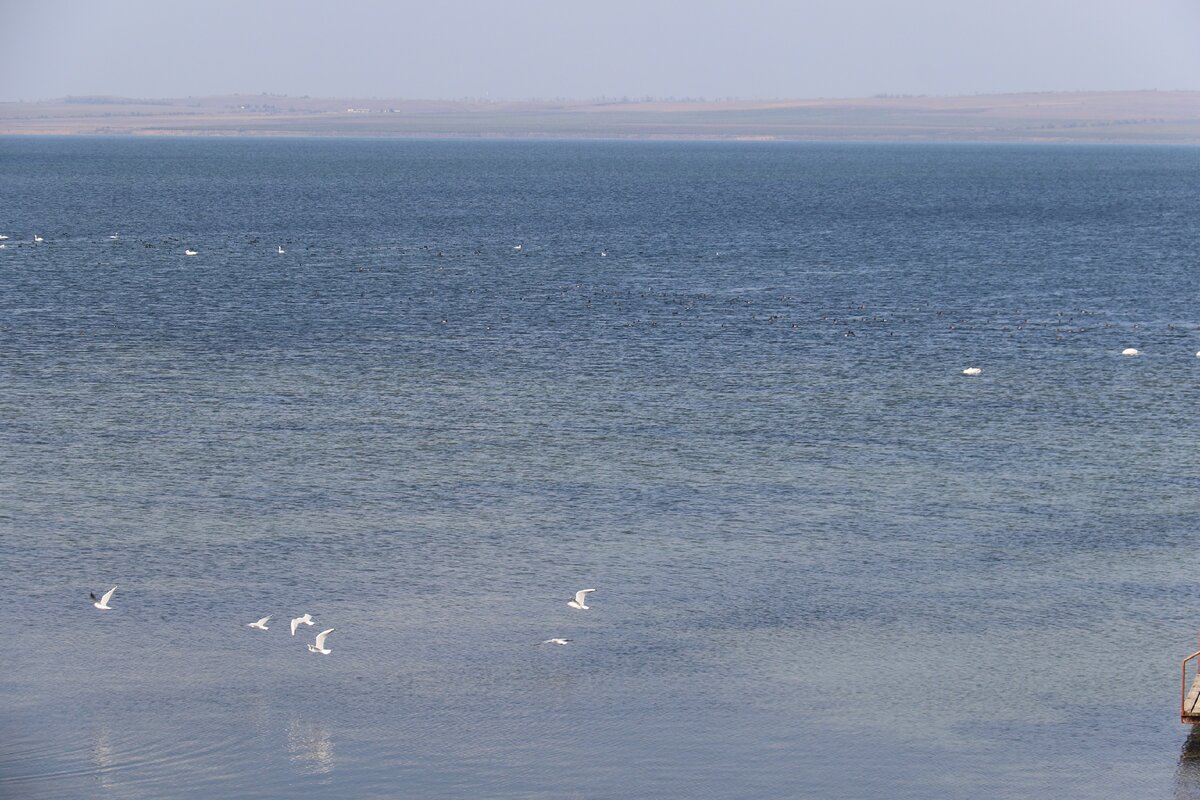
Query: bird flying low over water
261 625
318 645
557 641
305 620
279 249
580 598
102 603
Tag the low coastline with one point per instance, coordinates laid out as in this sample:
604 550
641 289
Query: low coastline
1140 117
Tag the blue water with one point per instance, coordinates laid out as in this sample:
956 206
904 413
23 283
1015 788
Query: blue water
827 564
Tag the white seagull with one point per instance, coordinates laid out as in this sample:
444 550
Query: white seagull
115 236
318 645
305 620
557 641
972 371
3 236
191 252
102 603
279 249
580 597
37 238
603 252
1130 351
517 247
261 625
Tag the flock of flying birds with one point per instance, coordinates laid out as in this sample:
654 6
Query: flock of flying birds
318 645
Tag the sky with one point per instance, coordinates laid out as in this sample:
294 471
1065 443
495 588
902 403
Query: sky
546 49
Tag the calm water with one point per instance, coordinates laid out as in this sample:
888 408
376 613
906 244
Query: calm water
827 565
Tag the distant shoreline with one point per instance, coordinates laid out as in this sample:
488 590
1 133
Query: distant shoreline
1142 117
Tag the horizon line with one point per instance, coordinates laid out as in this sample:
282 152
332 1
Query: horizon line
597 99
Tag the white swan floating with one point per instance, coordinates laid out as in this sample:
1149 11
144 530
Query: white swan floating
191 252
972 371
1130 351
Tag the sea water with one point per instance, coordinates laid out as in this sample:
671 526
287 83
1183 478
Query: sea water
719 383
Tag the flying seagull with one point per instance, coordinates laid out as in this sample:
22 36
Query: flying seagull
557 641
580 597
102 603
318 645
305 620
261 625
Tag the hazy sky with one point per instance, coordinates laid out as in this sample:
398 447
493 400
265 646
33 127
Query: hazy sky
514 49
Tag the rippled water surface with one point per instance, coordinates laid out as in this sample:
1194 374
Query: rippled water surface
827 564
